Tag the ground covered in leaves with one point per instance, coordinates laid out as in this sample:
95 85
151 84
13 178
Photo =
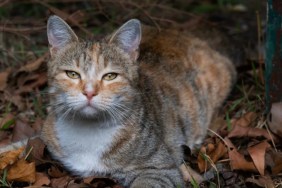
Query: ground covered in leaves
243 146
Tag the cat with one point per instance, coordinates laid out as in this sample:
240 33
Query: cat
124 105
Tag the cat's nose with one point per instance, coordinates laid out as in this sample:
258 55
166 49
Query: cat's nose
89 94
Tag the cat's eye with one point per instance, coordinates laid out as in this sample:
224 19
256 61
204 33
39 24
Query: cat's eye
110 76
73 74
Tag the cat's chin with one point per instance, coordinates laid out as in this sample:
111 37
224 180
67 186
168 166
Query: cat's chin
89 111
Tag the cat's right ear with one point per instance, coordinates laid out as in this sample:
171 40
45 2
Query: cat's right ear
59 34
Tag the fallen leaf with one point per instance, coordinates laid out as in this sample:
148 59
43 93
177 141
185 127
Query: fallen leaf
30 82
219 152
56 172
245 120
10 157
274 161
214 152
201 161
32 66
3 79
238 162
275 119
60 182
262 181
41 179
37 147
238 131
22 171
22 131
257 154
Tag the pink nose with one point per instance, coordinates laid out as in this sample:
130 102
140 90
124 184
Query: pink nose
89 94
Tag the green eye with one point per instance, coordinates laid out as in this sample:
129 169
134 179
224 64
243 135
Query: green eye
73 74
110 76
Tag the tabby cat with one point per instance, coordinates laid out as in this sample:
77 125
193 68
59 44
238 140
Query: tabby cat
123 106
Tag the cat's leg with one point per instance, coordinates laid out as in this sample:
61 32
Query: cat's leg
158 178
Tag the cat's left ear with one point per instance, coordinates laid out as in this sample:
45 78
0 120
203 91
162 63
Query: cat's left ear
59 34
128 37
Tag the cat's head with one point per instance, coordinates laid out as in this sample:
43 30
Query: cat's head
90 78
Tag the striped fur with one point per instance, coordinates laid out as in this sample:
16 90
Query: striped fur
134 126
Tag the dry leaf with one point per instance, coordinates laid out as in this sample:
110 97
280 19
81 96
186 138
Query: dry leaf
41 179
202 163
3 79
262 181
238 162
257 153
37 150
60 182
245 120
55 172
10 157
22 171
27 84
275 120
219 152
35 64
274 161
239 132
214 152
22 131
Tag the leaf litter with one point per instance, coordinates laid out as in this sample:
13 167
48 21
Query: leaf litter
236 143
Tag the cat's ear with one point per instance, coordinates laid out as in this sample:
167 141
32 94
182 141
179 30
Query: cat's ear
59 34
128 37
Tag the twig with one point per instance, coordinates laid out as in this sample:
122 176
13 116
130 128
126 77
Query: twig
22 30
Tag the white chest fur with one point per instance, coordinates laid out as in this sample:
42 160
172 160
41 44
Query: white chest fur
83 144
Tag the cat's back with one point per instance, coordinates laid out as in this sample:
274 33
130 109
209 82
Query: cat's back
184 80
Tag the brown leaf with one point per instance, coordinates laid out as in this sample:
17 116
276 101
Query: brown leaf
30 82
275 119
202 163
22 131
245 120
22 171
214 152
262 181
37 150
10 157
257 153
239 132
32 66
238 162
3 79
55 172
274 161
60 182
41 179
219 152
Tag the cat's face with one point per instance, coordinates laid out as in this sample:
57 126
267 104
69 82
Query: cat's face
90 79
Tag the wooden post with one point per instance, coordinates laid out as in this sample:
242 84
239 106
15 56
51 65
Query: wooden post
273 61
